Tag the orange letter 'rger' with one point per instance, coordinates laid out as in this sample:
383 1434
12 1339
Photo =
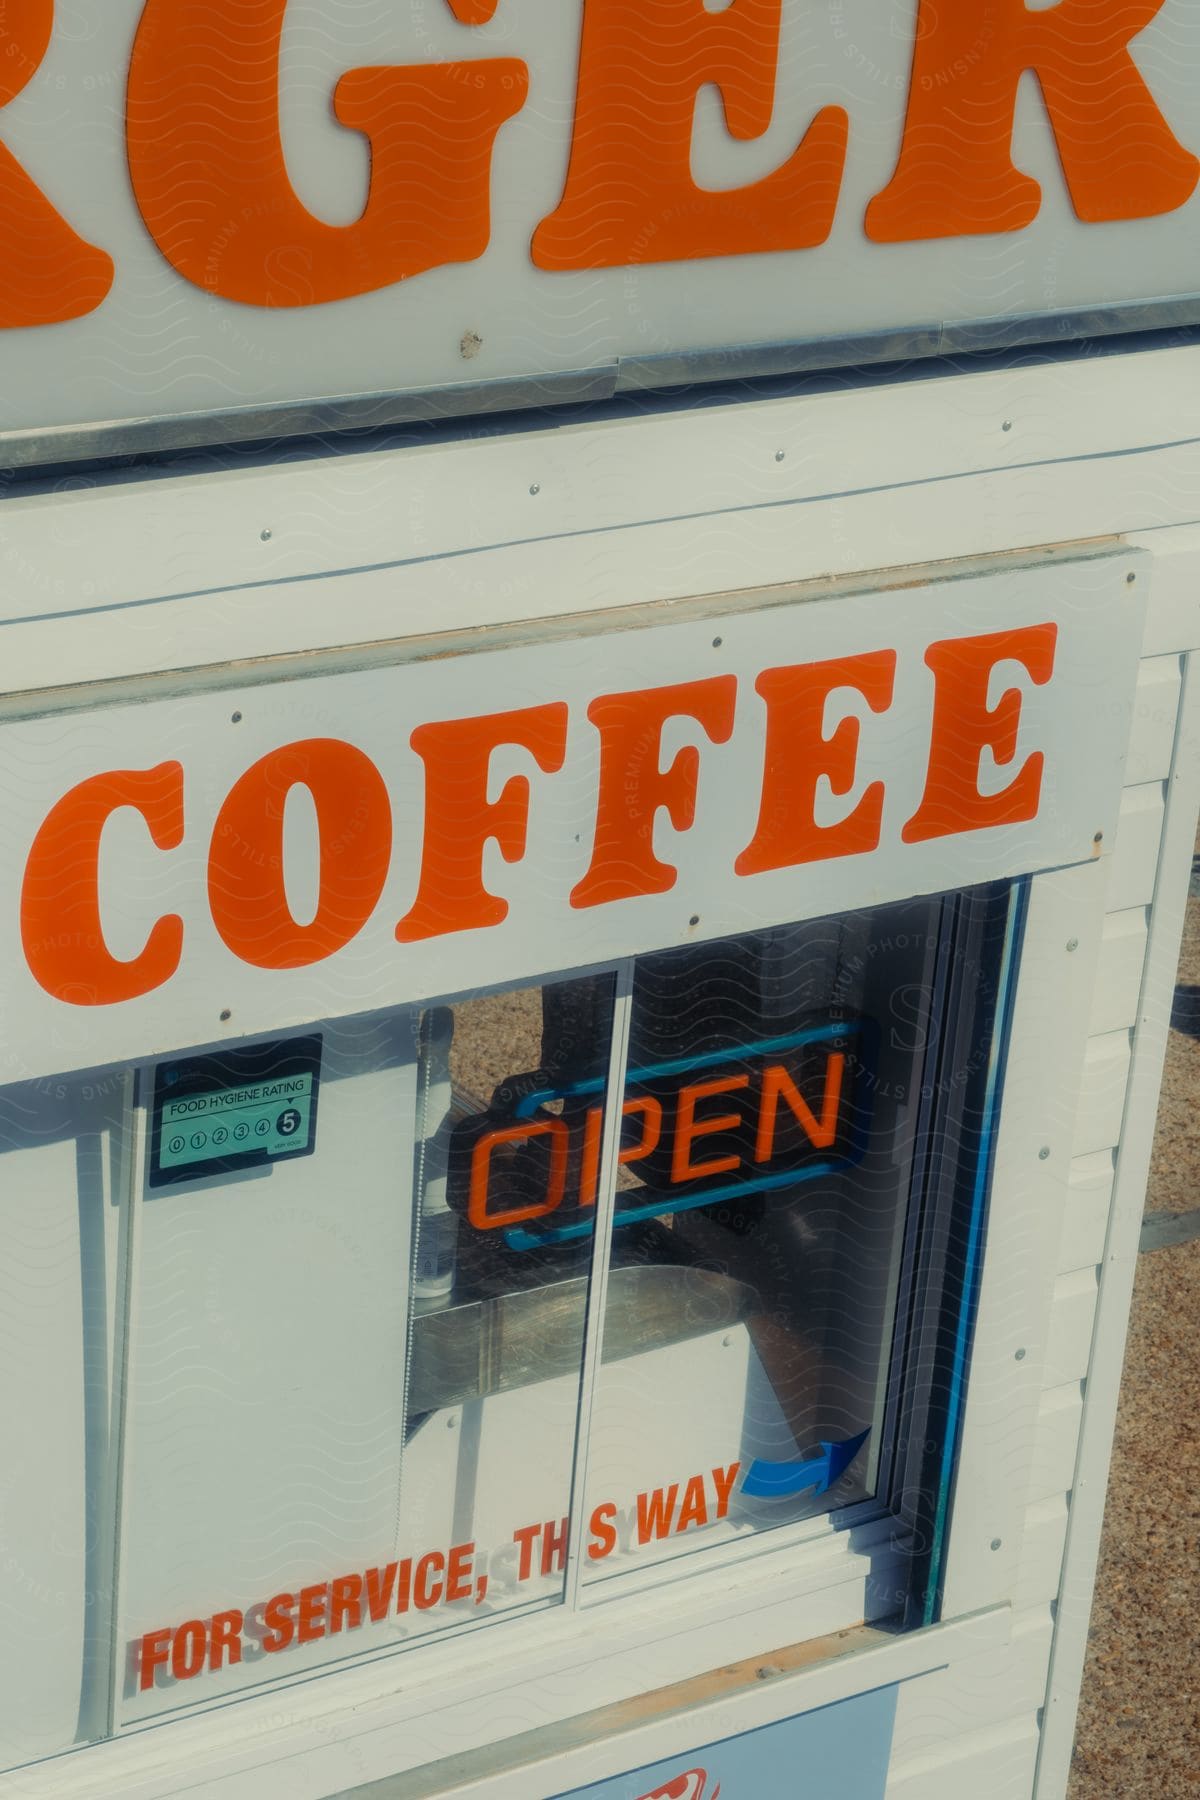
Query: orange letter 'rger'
47 272
633 787
630 196
247 892
61 928
964 727
955 176
460 819
798 755
208 169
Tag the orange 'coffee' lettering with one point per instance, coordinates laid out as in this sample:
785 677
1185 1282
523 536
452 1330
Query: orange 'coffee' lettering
630 196
633 787
955 176
798 754
246 892
210 178
460 819
964 727
61 928
47 272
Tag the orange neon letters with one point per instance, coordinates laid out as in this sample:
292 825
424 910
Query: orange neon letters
964 727
955 176
630 196
61 928
460 819
633 787
47 272
210 178
688 1127
798 754
246 892
777 1084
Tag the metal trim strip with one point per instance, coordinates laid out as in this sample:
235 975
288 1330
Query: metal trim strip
64 444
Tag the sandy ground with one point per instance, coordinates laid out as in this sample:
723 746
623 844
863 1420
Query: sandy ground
1139 1717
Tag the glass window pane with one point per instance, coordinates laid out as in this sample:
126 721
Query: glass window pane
772 1112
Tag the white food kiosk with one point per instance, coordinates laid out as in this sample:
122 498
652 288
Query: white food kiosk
598 744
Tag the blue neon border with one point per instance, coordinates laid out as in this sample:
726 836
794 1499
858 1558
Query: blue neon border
973 1254
862 1031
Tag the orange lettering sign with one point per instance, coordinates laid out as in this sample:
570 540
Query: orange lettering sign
61 929
633 786
460 819
630 196
799 755
210 177
964 726
956 176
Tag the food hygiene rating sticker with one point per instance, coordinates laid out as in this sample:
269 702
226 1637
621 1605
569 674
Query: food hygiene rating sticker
274 1116
236 1109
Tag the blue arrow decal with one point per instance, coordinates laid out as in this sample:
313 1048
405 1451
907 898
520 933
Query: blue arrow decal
774 1480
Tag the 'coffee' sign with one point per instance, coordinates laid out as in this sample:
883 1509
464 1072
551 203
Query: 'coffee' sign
248 201
199 867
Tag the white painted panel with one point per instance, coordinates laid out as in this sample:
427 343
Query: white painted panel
1056 1440
1119 970
59 1142
1070 1342
1173 622
1085 1217
1042 1543
1104 1376
1016 1322
974 1692
266 1381
1102 1097
990 1765
1155 711
1135 855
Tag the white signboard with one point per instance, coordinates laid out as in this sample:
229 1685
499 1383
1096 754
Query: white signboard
292 210
197 868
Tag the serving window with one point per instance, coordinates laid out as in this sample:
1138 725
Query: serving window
415 1322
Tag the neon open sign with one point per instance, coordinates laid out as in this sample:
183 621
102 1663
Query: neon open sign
700 1130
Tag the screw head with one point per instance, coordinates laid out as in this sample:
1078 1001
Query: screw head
226 1015
535 487
1131 577
1044 1153
996 1543
780 455
1007 425
1019 1355
265 533
1072 943
695 919
235 718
